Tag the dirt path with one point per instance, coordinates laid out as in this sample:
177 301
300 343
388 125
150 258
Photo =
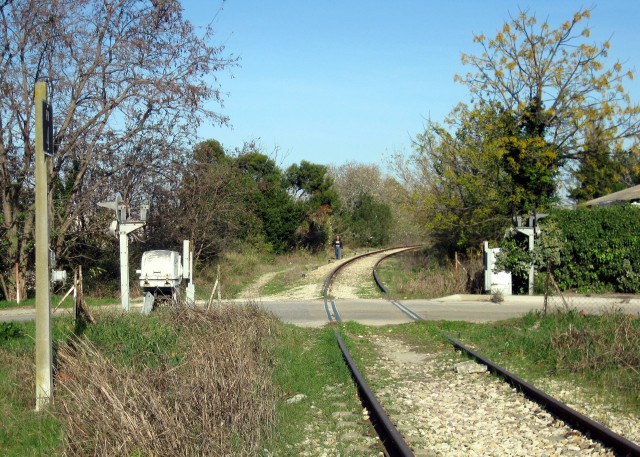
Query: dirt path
253 291
353 282
308 287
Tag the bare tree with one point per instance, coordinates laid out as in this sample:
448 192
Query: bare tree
128 79
354 179
216 202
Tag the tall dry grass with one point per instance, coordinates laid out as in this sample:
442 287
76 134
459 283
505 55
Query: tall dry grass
612 344
215 398
429 277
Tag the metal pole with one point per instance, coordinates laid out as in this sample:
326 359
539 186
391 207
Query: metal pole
456 259
124 267
44 384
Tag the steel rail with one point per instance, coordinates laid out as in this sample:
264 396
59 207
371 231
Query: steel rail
333 273
392 441
407 311
375 273
329 279
617 443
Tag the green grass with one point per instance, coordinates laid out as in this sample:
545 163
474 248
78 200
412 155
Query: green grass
55 301
601 354
309 360
25 432
282 280
134 339
275 286
390 272
369 291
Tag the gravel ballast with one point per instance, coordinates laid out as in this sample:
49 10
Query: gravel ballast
442 412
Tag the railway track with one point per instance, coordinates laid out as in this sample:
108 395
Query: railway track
527 420
333 314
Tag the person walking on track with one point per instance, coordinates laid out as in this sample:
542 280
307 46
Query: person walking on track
337 244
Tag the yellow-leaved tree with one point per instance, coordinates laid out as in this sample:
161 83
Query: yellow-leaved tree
537 93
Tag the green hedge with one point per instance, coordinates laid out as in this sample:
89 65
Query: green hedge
600 248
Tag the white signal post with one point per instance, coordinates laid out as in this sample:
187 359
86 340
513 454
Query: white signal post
123 232
187 271
121 227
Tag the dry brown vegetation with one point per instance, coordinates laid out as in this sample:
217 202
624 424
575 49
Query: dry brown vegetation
427 277
615 345
216 398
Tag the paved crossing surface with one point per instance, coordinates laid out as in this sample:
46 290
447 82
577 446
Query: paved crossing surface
478 308
472 308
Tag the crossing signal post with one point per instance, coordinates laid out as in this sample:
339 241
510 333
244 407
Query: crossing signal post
121 228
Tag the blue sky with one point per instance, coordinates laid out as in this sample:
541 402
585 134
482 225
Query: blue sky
334 81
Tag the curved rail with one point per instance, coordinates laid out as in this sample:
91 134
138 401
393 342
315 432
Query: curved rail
408 312
391 439
375 273
332 274
327 285
619 444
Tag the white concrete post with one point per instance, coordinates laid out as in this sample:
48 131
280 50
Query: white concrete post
44 379
124 267
124 228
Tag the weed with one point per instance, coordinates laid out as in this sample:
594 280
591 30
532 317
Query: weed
417 275
216 398
9 330
614 343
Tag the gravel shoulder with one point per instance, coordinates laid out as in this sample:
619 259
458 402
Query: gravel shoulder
443 413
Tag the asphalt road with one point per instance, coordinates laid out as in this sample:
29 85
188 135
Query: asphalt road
472 308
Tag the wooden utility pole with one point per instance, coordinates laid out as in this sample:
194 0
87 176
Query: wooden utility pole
44 382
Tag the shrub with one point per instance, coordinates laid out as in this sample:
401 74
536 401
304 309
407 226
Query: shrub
589 249
9 330
600 249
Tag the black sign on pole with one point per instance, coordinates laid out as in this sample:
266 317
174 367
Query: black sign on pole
47 128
